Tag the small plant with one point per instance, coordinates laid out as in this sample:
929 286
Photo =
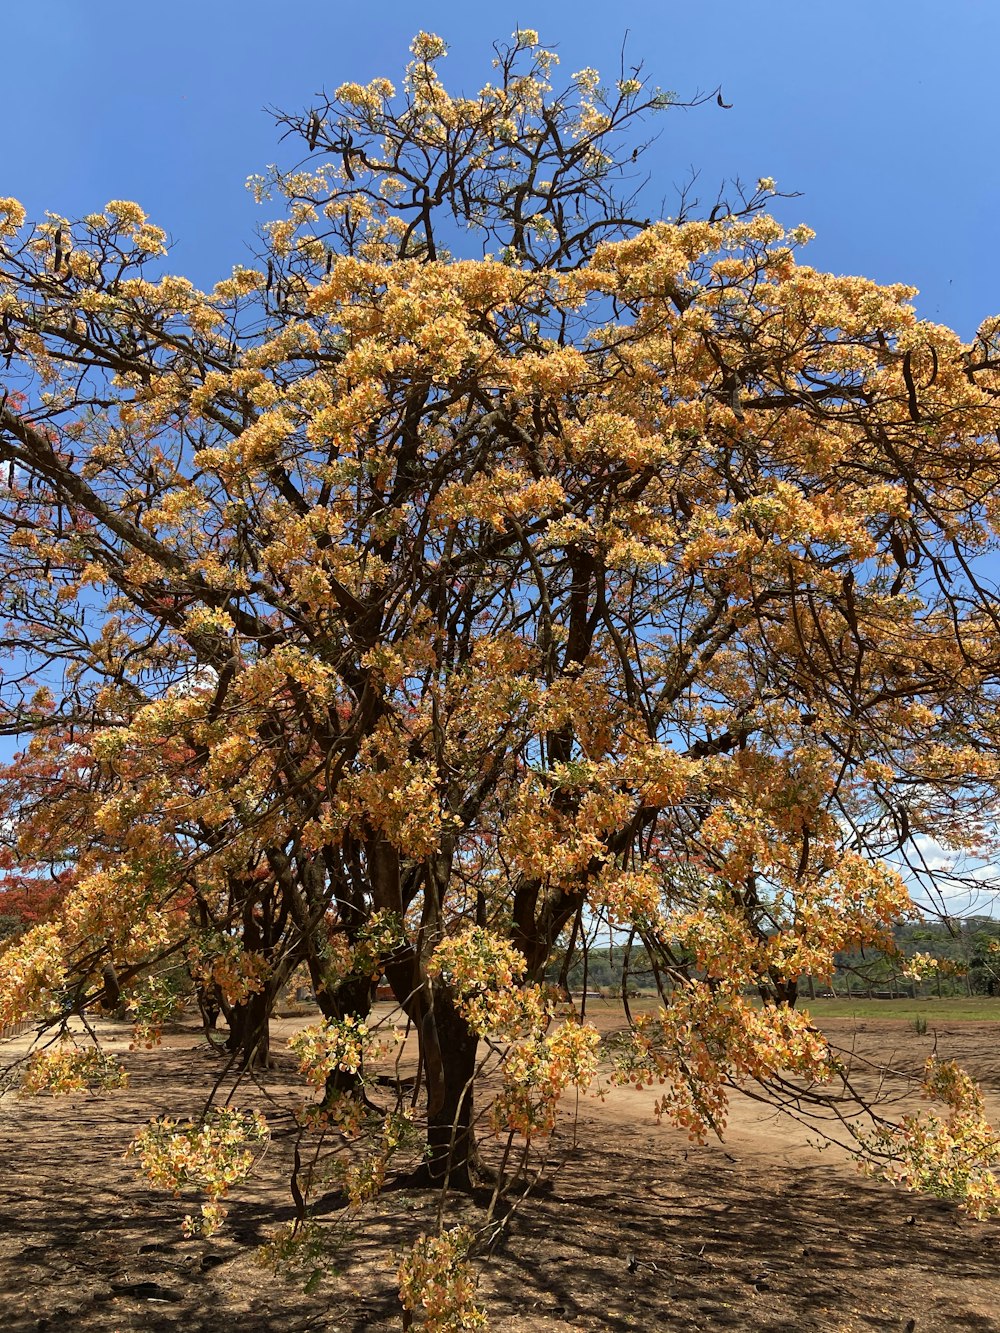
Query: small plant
919 1026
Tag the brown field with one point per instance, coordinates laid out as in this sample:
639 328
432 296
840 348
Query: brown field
635 1228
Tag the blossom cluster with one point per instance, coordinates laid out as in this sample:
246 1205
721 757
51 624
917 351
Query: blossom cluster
536 1071
483 973
210 1155
32 973
709 1035
954 1156
66 1068
338 1044
435 1278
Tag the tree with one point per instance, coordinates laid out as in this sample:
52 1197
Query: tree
391 609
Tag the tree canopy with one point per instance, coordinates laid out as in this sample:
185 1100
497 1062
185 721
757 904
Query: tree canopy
486 560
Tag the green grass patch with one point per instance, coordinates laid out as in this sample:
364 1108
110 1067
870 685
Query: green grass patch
953 1009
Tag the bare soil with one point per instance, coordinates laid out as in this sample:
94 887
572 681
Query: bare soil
635 1228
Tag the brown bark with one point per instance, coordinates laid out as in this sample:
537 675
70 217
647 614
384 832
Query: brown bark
451 1141
249 1031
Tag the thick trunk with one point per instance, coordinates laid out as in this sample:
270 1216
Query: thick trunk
449 1053
209 1005
786 992
112 1001
249 1031
779 990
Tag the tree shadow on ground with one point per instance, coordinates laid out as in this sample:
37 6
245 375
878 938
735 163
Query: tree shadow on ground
693 1240
635 1232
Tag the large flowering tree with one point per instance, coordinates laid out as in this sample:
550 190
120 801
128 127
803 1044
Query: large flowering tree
399 607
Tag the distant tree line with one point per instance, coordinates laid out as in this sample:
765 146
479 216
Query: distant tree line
967 950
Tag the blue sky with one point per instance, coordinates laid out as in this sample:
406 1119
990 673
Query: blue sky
879 111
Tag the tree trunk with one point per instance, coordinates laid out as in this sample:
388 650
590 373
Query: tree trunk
249 1031
113 1002
209 1005
779 990
451 1141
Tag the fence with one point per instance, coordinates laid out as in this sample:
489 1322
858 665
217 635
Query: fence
15 1029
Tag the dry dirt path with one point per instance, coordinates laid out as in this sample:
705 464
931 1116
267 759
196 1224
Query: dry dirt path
637 1229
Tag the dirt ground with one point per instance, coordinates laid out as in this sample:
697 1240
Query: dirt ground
635 1228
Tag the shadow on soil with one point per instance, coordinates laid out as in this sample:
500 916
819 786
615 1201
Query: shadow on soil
636 1232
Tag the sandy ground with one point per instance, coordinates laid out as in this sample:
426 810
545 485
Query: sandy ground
635 1228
